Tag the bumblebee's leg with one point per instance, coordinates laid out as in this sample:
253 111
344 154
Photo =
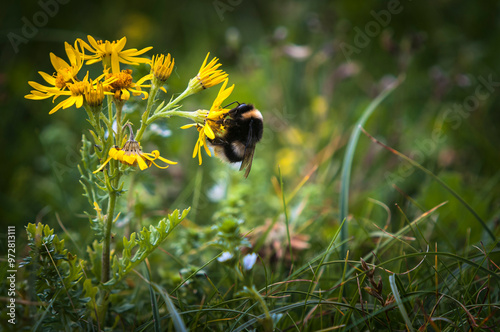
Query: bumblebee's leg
217 141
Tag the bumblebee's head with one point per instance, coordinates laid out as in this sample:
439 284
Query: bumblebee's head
245 113
242 109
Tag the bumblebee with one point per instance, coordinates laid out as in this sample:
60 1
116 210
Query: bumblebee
243 129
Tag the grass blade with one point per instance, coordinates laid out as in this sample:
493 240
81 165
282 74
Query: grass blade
174 314
154 305
195 272
435 177
291 307
402 310
318 273
286 217
349 155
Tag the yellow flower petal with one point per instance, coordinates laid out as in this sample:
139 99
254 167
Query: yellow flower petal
102 166
207 150
119 155
112 53
57 62
142 164
112 152
189 126
125 94
56 108
79 101
121 44
196 149
167 161
115 62
209 132
129 159
48 78
162 167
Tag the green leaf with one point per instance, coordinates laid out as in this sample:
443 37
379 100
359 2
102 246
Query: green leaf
400 303
176 317
154 304
146 241
349 156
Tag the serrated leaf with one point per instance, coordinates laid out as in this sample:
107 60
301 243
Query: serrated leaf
147 241
154 236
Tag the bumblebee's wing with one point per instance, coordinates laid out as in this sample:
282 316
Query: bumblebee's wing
249 150
247 159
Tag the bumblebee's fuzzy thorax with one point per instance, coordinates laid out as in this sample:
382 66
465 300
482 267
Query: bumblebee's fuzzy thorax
242 127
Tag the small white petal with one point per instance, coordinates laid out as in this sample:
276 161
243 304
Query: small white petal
226 255
249 261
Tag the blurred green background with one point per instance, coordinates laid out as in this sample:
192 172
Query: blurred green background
311 67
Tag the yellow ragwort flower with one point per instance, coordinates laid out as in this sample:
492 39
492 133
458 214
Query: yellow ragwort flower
123 85
75 95
94 94
131 154
162 66
208 75
212 124
75 92
112 53
65 74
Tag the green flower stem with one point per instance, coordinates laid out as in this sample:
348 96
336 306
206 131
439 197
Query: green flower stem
88 109
112 180
106 249
108 124
167 111
97 126
180 97
110 116
119 125
190 115
140 132
261 301
145 116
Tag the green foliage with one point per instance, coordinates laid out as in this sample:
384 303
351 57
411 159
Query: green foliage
69 299
228 232
89 183
421 241
146 241
58 280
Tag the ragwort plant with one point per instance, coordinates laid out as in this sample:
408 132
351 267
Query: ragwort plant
114 151
379 279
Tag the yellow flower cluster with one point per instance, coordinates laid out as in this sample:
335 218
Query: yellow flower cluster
65 82
65 87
